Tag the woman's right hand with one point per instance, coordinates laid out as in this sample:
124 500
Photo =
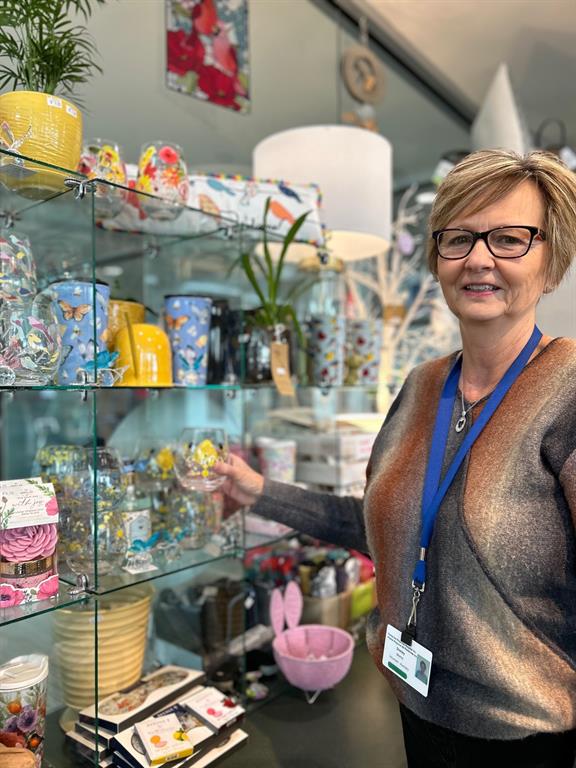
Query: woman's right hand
243 484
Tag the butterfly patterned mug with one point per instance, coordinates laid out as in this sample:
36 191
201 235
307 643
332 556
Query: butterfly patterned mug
83 334
187 320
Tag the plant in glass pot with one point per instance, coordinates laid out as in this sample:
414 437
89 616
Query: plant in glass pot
275 318
44 55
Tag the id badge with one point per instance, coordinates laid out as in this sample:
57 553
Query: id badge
411 663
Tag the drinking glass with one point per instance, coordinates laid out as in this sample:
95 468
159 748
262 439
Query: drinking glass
195 455
154 465
30 341
96 470
102 159
162 172
17 267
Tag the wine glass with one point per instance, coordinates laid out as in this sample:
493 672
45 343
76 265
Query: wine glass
195 455
154 464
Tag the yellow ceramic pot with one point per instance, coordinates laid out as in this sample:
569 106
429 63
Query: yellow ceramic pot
120 314
43 127
145 352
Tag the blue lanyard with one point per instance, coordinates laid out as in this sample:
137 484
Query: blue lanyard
434 490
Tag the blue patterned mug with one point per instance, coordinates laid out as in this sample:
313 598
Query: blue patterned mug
83 336
187 320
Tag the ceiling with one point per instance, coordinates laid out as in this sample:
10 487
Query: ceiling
461 42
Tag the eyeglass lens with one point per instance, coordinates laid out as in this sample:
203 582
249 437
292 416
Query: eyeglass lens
506 243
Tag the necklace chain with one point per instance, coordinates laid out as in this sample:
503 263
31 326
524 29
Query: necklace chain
461 423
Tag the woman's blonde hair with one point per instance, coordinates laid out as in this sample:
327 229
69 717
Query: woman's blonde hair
483 178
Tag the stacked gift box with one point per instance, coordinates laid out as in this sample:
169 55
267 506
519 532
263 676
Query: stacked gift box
334 462
168 717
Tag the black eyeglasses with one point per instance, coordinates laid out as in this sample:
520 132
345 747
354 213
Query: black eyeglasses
502 242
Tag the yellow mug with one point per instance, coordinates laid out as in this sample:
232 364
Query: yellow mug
145 352
120 313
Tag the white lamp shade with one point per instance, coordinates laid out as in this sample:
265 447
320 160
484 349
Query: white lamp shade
347 246
352 166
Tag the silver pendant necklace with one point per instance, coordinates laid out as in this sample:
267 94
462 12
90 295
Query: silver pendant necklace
461 423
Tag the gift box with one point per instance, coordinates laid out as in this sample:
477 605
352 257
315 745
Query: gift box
120 710
28 540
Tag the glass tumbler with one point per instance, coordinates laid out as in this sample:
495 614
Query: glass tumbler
195 455
98 470
162 172
30 342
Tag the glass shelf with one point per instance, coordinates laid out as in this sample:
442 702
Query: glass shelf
25 611
189 559
19 196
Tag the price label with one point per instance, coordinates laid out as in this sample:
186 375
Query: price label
280 365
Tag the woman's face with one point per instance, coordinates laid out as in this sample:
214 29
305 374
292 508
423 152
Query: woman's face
516 285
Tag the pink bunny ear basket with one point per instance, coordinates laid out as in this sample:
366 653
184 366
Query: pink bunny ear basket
312 657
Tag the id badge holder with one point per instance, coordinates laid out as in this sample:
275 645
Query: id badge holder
403 656
411 663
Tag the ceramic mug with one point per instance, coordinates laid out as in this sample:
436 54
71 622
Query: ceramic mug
326 350
144 350
218 340
362 351
120 313
277 458
83 336
187 321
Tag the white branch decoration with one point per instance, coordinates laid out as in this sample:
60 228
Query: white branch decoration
385 278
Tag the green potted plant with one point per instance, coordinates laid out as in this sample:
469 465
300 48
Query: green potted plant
275 316
44 56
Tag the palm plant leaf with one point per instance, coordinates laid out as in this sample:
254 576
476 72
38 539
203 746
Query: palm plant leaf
46 51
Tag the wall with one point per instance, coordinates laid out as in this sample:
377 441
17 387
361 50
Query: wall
295 51
293 82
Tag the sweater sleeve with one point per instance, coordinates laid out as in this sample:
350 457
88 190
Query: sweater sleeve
336 519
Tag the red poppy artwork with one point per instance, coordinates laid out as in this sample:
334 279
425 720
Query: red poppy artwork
207 51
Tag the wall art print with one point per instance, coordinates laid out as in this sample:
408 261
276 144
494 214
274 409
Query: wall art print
207 51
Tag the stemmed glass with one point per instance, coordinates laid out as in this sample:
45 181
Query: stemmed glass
195 455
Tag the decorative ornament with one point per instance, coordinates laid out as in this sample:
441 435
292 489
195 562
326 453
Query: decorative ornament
365 80
363 75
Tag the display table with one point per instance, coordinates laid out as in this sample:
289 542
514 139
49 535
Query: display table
355 725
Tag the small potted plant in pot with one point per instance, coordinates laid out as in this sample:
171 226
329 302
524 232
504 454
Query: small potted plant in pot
274 319
44 55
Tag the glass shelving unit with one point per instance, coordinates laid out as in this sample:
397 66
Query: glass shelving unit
195 253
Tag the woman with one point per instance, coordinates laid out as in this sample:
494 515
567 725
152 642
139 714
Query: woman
492 578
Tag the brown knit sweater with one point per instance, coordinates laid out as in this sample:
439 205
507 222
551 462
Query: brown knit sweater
499 611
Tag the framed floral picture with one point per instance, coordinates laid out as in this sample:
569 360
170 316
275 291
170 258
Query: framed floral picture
207 51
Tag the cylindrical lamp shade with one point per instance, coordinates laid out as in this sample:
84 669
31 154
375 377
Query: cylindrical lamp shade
352 166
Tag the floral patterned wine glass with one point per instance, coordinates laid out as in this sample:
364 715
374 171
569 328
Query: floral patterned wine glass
102 159
195 455
17 267
162 172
